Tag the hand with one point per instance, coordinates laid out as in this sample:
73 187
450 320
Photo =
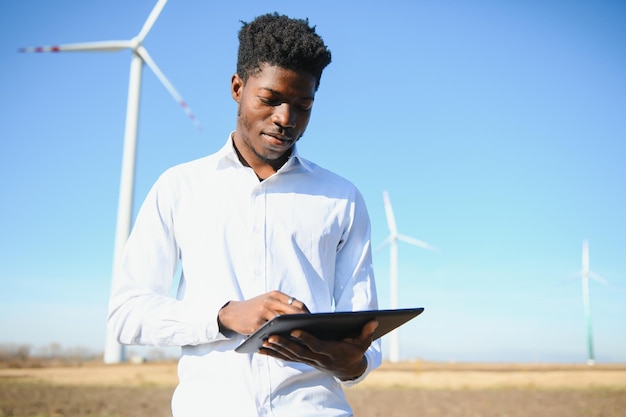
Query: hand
343 359
245 317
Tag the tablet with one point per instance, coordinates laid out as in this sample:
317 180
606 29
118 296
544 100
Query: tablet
329 326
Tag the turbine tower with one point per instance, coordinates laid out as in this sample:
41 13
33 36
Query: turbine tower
392 241
114 352
586 274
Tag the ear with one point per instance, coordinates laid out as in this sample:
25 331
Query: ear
236 87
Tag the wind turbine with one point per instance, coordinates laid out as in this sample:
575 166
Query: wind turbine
586 274
392 241
114 352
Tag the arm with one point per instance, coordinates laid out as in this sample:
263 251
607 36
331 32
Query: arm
141 309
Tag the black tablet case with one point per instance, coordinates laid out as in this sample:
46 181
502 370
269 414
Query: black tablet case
330 326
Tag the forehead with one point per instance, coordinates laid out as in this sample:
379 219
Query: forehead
283 81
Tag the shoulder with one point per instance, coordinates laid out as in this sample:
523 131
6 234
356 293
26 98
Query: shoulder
183 180
193 170
330 180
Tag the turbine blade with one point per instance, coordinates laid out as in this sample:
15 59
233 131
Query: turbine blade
152 17
383 244
153 66
418 243
598 278
104 46
391 221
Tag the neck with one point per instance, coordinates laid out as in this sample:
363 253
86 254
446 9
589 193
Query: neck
263 168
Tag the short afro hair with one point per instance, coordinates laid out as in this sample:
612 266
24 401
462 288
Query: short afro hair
281 41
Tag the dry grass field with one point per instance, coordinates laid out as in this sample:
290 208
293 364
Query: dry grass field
408 389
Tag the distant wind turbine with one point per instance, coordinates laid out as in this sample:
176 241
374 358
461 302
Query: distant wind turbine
114 352
392 241
586 274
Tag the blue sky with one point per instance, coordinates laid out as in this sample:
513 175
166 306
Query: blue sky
496 127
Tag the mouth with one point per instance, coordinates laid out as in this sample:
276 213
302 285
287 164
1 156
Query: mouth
278 140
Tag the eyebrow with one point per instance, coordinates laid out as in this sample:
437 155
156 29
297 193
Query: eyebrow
276 93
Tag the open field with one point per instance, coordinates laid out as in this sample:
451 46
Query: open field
408 389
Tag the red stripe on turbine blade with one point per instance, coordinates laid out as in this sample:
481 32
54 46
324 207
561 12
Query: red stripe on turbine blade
187 110
39 49
55 49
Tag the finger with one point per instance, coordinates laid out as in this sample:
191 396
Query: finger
369 329
307 340
301 307
274 346
287 356
367 333
294 305
366 337
276 303
268 351
291 347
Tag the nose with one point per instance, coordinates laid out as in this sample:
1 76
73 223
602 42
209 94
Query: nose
284 116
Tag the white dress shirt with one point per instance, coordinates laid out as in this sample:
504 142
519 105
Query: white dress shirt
212 225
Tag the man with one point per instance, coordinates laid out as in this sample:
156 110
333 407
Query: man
257 231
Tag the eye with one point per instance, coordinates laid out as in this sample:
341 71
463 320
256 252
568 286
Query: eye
305 105
270 101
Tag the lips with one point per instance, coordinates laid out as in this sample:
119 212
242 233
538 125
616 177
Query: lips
278 139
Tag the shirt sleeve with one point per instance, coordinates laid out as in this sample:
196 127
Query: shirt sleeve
141 308
355 287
